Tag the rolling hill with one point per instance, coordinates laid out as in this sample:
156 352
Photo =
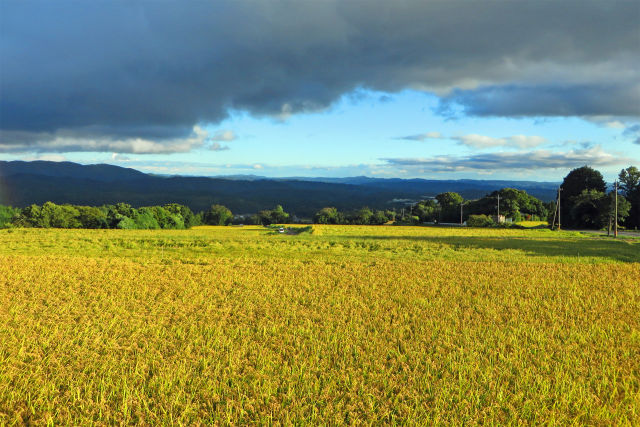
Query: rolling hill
24 183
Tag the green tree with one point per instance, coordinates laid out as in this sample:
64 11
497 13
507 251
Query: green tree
588 209
425 210
630 186
593 209
391 214
607 209
328 215
60 216
117 213
480 221
379 218
7 215
185 212
166 219
29 217
126 223
279 216
217 215
145 219
449 204
515 204
274 216
574 184
92 217
362 216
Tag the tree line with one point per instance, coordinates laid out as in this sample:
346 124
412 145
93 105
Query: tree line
585 202
451 207
124 216
446 207
118 216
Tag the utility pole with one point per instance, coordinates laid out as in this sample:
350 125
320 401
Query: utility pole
559 216
498 208
555 212
461 203
615 218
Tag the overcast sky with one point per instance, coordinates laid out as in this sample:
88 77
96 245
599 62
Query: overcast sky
434 89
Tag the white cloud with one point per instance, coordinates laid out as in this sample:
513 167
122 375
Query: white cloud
216 146
615 124
483 141
223 135
422 136
47 157
117 157
610 122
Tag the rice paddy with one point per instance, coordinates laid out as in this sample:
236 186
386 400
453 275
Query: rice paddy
344 324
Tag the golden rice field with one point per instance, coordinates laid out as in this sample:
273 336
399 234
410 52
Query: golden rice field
348 324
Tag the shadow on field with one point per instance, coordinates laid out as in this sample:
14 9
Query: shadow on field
619 250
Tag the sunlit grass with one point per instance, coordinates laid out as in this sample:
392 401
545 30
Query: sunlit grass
344 325
532 223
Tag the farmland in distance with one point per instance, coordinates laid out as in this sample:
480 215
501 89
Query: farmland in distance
327 324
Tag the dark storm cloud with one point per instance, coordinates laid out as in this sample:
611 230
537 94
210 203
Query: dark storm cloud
633 132
152 70
621 99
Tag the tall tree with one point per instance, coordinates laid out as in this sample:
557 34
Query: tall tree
449 204
425 210
328 215
588 209
184 211
578 180
217 215
7 213
362 216
630 186
274 216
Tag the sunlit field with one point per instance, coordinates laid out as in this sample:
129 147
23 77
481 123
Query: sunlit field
335 324
531 224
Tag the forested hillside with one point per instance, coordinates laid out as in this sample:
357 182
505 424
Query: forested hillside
25 183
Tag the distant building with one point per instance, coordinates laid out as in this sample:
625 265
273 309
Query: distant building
498 219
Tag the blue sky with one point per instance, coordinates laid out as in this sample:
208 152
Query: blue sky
486 90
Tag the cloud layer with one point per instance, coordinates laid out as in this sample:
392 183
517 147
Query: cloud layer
482 141
151 71
490 162
66 141
633 132
422 136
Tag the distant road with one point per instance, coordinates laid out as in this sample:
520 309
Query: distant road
620 233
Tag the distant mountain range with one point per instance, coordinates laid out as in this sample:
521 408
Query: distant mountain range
24 183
